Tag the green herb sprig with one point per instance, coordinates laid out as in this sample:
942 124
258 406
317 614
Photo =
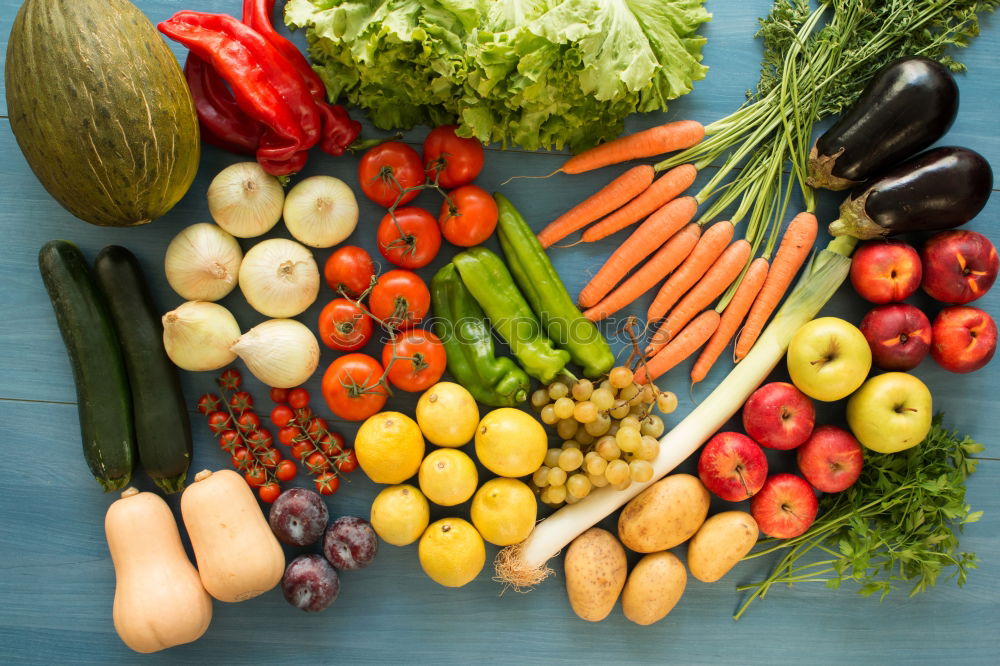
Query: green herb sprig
899 523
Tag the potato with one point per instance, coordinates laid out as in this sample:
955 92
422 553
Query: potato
654 587
720 543
664 515
595 573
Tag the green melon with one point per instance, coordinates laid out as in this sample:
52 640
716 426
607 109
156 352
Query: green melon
100 109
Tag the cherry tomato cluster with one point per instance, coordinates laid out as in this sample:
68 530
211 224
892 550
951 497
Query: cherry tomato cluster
233 420
321 451
392 174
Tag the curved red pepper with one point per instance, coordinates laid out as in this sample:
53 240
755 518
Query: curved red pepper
339 130
263 84
223 123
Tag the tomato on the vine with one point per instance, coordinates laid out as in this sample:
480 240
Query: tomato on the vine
348 463
298 398
287 435
259 440
241 401
240 456
286 470
248 421
317 426
255 476
332 444
301 449
218 422
317 462
281 415
400 299
269 492
228 439
344 326
458 159
279 395
208 403
350 269
412 240
231 379
352 387
389 168
269 457
327 483
420 360
469 216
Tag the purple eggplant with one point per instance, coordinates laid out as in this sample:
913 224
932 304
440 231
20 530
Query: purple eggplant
938 189
905 108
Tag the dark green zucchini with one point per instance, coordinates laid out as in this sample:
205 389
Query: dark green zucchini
102 391
162 426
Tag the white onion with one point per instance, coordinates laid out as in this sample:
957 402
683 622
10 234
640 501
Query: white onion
321 211
202 262
245 200
282 353
198 335
279 278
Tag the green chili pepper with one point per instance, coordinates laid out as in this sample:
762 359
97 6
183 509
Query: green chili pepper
490 283
541 285
468 342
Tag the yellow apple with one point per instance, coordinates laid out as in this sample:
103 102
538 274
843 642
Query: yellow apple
828 359
890 412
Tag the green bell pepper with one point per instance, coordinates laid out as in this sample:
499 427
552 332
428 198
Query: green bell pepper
468 342
490 283
541 285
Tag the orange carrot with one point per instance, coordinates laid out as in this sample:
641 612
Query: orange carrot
647 143
716 280
732 316
664 189
666 259
795 246
657 228
693 336
622 189
709 247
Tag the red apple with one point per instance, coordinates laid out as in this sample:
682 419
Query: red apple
831 459
899 335
964 338
959 266
732 466
779 416
885 271
785 507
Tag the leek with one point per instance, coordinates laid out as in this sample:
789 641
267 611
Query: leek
525 564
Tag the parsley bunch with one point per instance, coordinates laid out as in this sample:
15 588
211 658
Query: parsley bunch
899 523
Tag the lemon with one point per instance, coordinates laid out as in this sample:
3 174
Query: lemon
504 511
389 447
447 414
400 514
451 552
510 442
448 477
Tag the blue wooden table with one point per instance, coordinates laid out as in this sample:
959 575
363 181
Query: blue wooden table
56 578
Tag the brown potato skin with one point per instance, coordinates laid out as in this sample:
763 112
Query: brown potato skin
720 544
596 570
653 588
665 515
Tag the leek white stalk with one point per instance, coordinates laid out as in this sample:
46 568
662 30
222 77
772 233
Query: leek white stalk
202 262
279 278
245 200
197 336
321 211
282 353
525 564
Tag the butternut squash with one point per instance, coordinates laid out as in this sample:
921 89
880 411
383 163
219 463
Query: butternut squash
238 555
159 598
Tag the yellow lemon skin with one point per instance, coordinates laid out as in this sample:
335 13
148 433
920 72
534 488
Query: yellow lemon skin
400 514
389 447
447 414
504 511
510 442
448 477
451 552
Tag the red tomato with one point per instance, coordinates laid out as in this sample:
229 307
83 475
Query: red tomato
348 463
269 458
470 217
241 401
350 269
240 456
281 415
332 444
317 462
352 388
279 395
287 435
458 159
317 427
298 398
344 326
388 169
259 440
420 360
400 299
255 476
286 470
269 492
327 483
248 421
412 241
301 449
208 403
228 439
